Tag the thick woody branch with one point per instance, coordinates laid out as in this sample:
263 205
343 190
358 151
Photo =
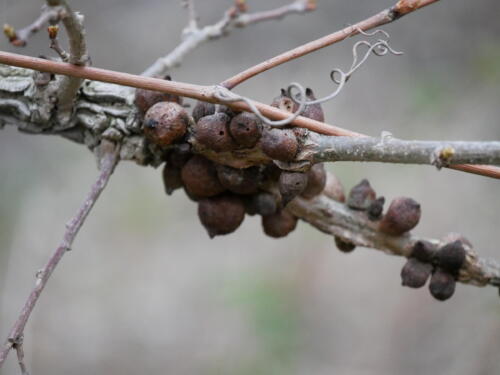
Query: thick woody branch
386 16
194 36
337 219
387 149
203 93
109 159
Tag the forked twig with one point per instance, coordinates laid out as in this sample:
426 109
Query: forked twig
20 37
59 11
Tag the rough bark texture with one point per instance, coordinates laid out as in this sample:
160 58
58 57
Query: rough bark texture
102 111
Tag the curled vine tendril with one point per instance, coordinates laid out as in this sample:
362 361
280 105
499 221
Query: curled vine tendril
228 96
380 47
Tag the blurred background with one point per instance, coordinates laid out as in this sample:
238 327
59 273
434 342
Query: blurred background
144 289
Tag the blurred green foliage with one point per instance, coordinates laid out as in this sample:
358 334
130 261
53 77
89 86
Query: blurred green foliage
428 94
486 63
272 308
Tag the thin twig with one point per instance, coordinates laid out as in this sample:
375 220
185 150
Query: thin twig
386 16
18 346
353 226
193 36
192 18
20 37
298 7
53 31
204 93
68 86
108 160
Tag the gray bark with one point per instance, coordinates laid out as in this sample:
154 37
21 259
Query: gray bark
101 111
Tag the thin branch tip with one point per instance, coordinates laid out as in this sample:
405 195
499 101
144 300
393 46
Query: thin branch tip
109 161
194 35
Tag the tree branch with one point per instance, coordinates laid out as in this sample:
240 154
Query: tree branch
386 16
204 93
319 148
337 219
102 122
109 159
193 36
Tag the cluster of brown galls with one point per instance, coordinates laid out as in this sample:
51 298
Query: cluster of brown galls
440 264
225 194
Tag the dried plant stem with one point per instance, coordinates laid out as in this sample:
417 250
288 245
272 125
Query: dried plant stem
194 36
109 159
204 93
386 16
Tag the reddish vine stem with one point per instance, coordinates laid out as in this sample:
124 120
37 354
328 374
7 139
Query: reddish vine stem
203 93
109 159
384 17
